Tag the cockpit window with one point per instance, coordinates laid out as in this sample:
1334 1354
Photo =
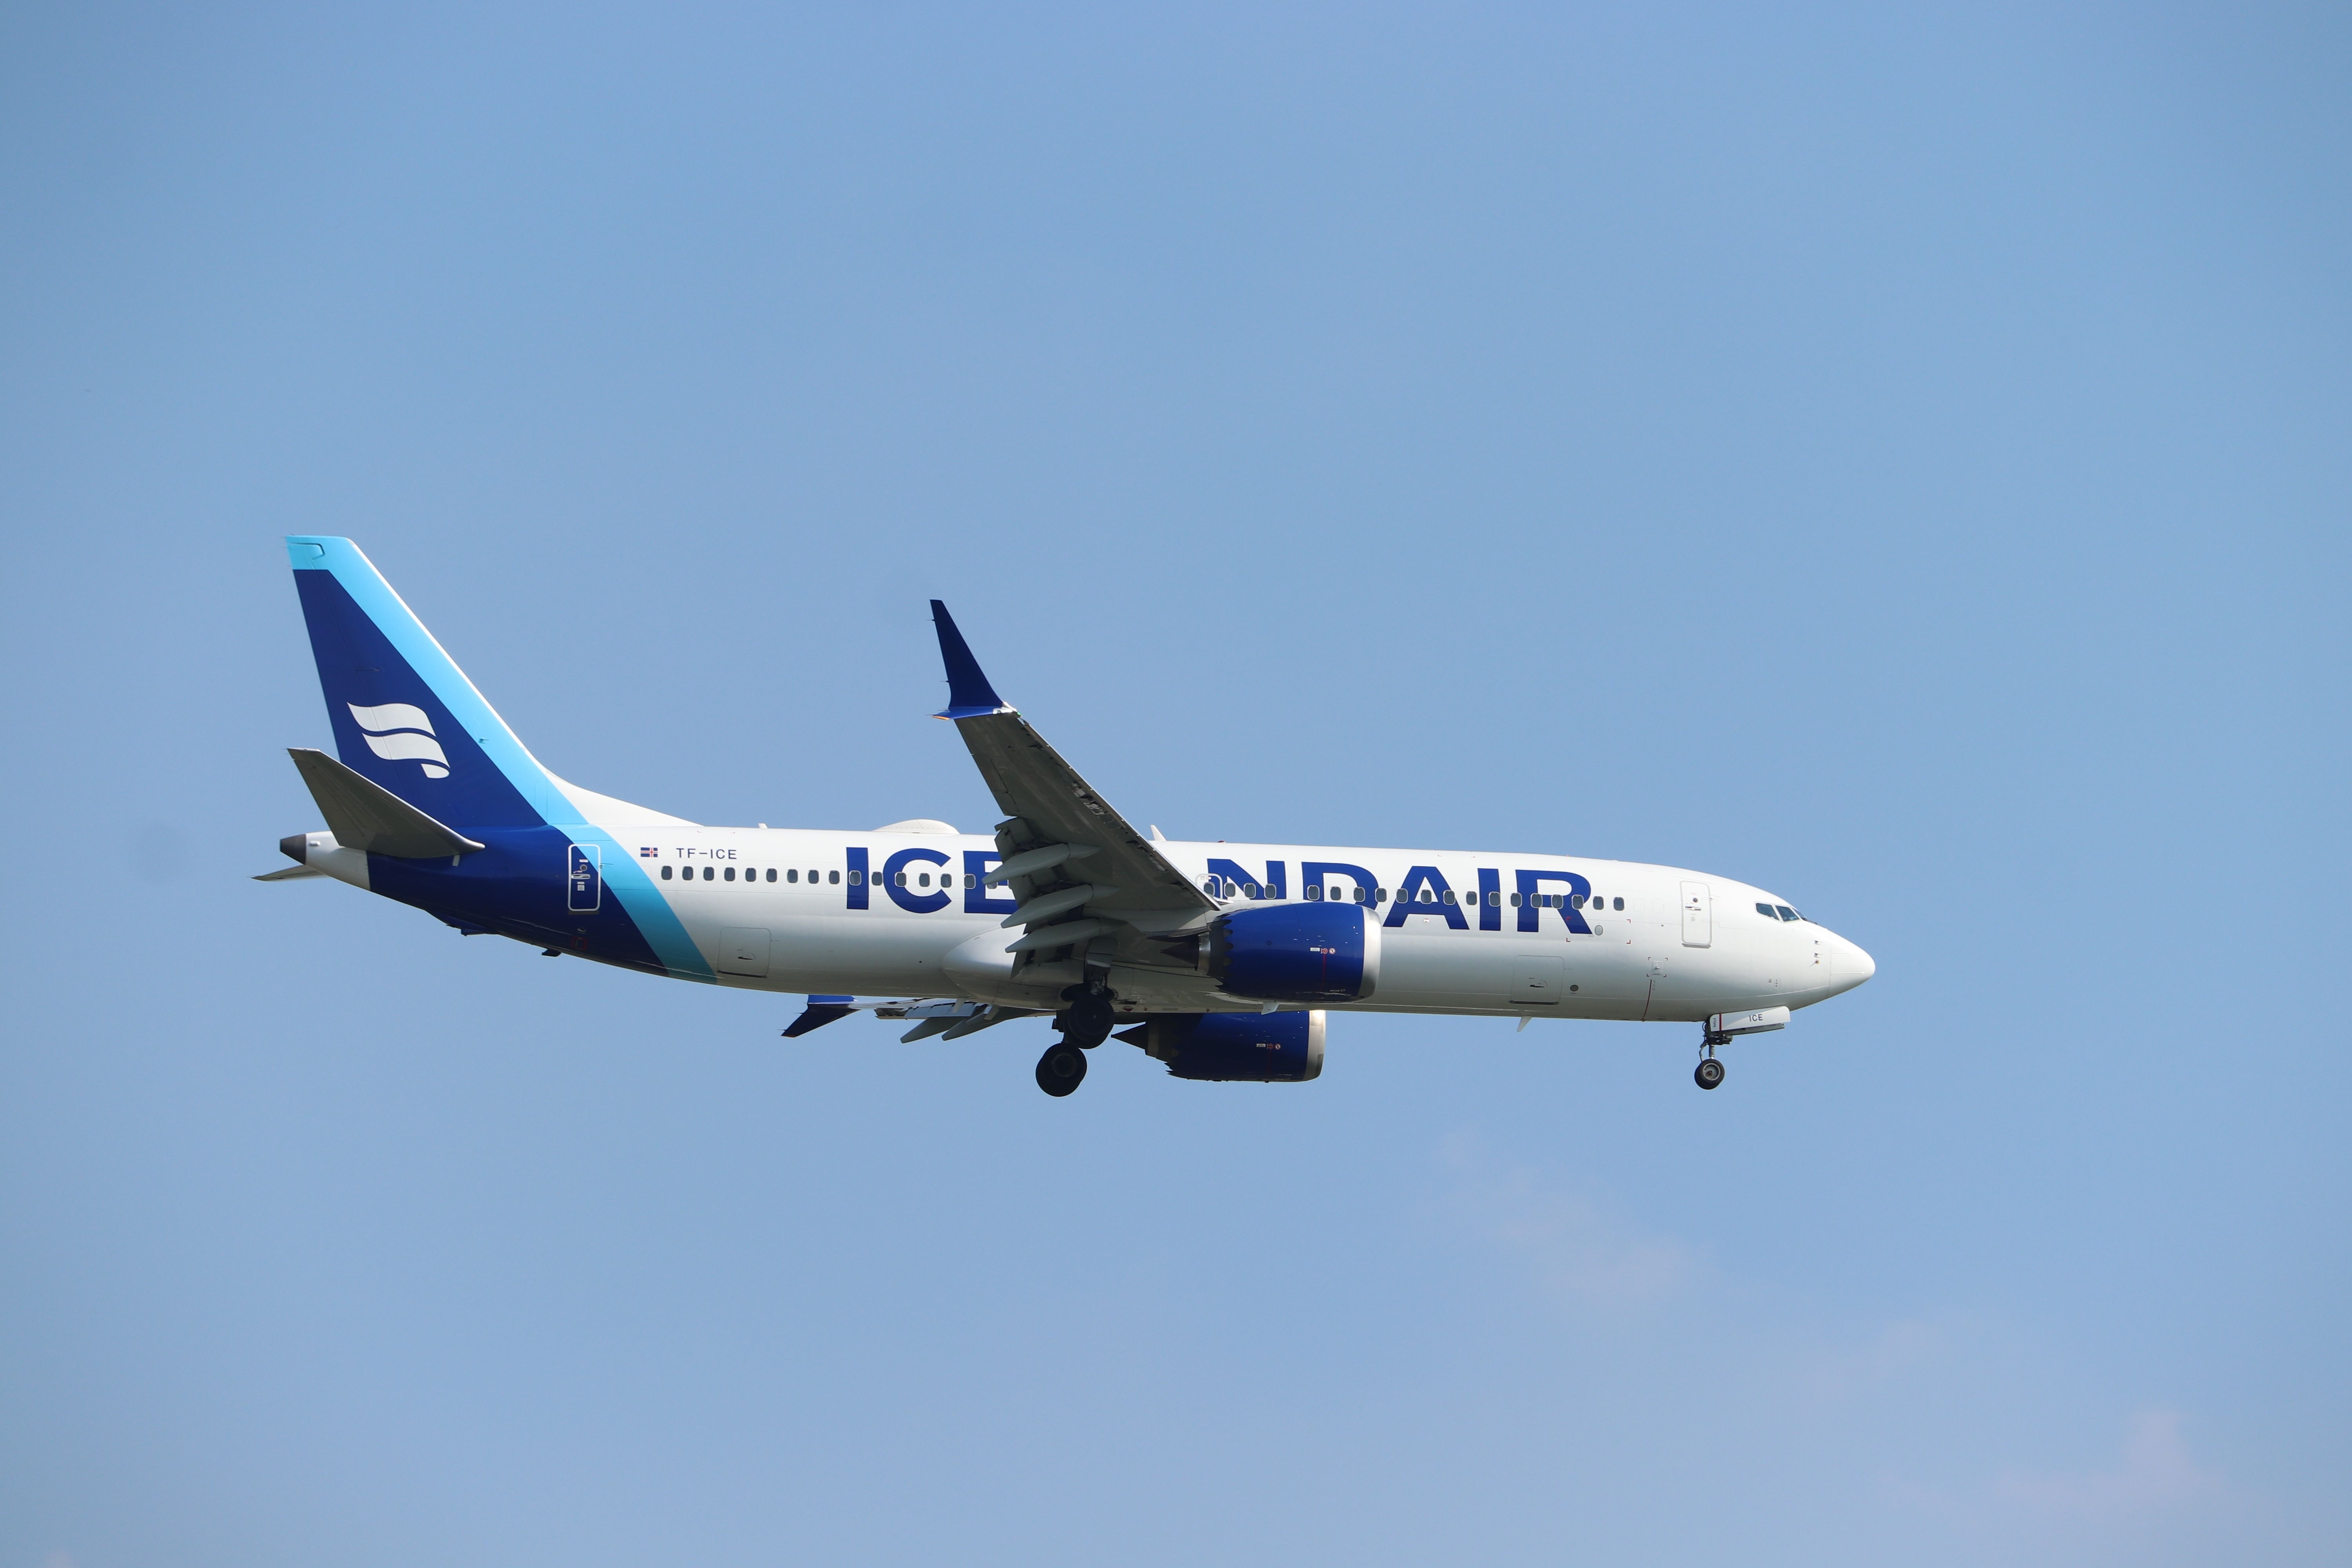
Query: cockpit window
1767 911
1789 914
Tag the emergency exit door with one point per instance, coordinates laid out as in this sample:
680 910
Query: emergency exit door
1699 916
586 879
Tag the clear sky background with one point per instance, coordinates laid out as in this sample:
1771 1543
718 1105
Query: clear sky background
1896 455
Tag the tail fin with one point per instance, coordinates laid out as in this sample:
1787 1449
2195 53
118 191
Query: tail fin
404 715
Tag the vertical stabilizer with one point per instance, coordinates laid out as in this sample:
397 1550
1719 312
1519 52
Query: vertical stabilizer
408 722
405 718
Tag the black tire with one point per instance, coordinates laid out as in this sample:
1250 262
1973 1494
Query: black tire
1061 1070
1708 1074
1087 1022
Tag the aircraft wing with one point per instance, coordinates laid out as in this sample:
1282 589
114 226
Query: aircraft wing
1052 809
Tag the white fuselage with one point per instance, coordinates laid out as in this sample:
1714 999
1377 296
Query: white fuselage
1662 943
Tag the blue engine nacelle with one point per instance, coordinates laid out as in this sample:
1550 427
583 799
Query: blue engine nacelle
1235 1048
1326 952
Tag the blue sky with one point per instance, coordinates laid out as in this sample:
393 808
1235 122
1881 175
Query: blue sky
1898 458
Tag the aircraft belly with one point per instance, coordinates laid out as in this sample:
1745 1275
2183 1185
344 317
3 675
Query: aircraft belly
1485 972
866 954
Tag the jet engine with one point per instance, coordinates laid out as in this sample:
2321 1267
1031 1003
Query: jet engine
1326 952
1233 1047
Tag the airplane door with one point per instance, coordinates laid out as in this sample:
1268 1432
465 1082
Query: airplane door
1539 980
1699 916
743 949
586 879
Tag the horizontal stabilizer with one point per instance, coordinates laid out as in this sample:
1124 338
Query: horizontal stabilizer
820 1011
288 873
367 816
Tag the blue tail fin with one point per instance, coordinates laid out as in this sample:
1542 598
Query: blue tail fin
406 717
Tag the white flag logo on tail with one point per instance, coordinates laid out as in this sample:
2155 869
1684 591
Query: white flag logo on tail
400 731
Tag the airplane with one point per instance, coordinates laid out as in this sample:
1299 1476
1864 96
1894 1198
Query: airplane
1223 962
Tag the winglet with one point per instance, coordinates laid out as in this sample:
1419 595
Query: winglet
970 696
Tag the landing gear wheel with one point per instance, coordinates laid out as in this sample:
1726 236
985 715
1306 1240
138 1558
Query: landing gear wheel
1709 1074
1087 1022
1061 1070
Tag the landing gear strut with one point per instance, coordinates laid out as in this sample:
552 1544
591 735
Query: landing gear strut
1710 1071
1062 1069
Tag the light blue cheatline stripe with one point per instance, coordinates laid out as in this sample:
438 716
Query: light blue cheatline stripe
655 922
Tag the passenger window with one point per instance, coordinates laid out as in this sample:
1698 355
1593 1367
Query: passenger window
708 874
665 873
1380 895
835 876
970 880
857 879
902 879
1618 905
730 873
792 875
1449 896
1249 889
771 873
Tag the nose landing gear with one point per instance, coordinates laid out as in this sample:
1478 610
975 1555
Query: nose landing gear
1709 1072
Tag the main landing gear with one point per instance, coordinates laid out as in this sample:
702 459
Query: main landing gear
1085 1023
1062 1069
1709 1072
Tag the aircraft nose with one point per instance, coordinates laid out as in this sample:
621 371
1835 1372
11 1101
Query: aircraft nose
1854 965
